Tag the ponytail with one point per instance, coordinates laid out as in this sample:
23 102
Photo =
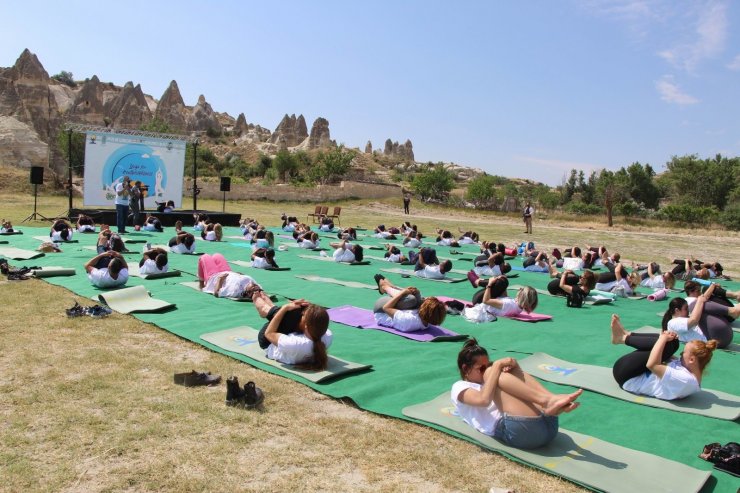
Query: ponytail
468 354
703 351
316 321
675 304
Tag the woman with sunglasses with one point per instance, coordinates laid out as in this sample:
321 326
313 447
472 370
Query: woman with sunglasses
500 400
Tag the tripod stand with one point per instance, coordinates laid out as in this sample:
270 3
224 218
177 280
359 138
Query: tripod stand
35 215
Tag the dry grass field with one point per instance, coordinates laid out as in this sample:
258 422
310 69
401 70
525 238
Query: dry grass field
89 405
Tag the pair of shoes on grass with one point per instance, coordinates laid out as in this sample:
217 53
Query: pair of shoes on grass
248 397
95 311
195 379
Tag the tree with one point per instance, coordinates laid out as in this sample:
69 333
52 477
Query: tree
65 78
610 190
433 183
571 185
701 182
285 164
332 165
481 191
78 150
156 125
642 186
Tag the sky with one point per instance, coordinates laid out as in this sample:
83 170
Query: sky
518 89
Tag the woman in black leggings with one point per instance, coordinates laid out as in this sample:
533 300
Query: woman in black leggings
649 370
567 282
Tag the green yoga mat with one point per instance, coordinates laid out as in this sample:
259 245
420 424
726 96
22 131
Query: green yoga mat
243 340
19 253
711 403
133 270
53 271
410 273
331 280
655 330
244 263
134 299
331 259
580 458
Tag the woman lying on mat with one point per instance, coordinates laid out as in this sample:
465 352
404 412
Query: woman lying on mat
263 239
6 227
404 309
644 372
107 240
413 239
347 252
393 254
309 239
652 277
536 263
212 232
216 277
349 234
569 282
619 281
701 316
493 265
264 258
296 333
183 242
500 400
107 270
493 301
85 224
61 230
151 223
154 261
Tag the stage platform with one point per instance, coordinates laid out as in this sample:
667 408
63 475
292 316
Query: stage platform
108 216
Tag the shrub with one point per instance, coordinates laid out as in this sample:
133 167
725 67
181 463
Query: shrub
582 209
630 208
687 214
730 217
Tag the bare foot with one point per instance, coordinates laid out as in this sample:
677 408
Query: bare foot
559 403
618 332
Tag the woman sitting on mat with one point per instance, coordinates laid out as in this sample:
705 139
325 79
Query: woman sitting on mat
183 242
216 277
568 282
347 252
404 309
644 372
154 261
493 301
107 270
707 318
296 333
500 400
61 230
85 224
264 258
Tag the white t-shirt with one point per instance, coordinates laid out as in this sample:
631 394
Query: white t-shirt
680 325
394 257
295 348
430 272
342 255
412 243
86 227
210 236
150 267
691 300
403 320
677 383
482 312
610 286
382 234
102 279
57 235
308 244
655 282
487 270
149 227
445 241
120 199
261 263
483 419
181 248
232 287
572 263
466 240
326 227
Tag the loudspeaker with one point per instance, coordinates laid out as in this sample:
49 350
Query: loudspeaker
225 183
37 175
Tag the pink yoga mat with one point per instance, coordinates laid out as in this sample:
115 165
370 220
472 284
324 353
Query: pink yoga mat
522 317
658 295
364 319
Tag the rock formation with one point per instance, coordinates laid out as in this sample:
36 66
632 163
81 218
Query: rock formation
20 145
241 126
202 118
171 108
403 151
291 129
87 105
369 147
129 108
320 137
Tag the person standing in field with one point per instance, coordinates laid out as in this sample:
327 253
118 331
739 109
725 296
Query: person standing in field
406 201
527 213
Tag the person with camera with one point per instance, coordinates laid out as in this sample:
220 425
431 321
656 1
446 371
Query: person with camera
123 191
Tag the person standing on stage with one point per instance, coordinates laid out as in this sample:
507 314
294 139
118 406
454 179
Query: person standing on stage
123 191
134 203
527 213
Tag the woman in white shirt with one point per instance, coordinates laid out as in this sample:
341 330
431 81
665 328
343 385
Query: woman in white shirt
404 309
296 333
347 252
216 277
620 278
500 400
154 261
701 316
493 301
650 369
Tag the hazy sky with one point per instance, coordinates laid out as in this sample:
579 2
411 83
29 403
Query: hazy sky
525 89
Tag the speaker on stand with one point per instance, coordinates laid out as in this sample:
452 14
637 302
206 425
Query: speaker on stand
37 178
225 187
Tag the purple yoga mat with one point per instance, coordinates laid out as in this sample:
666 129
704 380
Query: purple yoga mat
364 319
